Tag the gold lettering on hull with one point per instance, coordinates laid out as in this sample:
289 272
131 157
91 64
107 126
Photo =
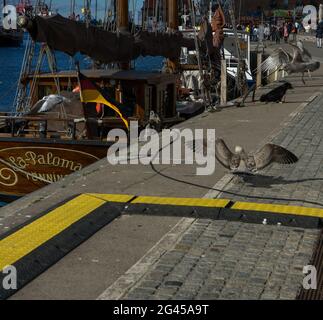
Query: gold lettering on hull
8 177
50 177
32 164
30 158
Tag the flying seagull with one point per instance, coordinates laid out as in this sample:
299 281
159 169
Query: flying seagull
300 61
48 103
252 163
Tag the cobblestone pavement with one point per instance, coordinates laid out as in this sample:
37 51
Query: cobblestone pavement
230 260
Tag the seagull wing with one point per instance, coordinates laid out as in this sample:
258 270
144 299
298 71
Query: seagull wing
271 153
297 54
51 102
38 105
223 153
305 53
198 145
276 60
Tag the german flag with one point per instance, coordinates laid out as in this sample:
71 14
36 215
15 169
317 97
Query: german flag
91 92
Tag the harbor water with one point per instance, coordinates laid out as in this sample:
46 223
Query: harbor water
10 66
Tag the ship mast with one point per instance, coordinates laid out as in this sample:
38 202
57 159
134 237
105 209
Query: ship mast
87 7
122 16
122 11
173 23
172 6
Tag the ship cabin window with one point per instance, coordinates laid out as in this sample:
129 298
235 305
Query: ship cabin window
123 95
45 90
170 109
167 102
152 99
129 100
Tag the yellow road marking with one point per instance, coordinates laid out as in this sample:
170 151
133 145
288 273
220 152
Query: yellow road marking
29 238
282 209
194 202
119 198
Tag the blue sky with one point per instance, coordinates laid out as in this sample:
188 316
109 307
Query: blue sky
64 5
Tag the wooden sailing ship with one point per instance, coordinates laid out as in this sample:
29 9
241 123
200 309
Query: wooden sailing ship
38 149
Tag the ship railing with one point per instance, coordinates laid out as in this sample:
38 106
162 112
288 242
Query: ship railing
17 129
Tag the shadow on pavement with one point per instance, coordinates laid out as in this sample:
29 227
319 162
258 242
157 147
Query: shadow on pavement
262 181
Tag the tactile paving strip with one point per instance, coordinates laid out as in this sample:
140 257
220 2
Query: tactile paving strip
34 247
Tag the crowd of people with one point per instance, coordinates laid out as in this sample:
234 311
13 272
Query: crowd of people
286 31
276 33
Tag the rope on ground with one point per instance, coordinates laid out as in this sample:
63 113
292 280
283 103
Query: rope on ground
169 177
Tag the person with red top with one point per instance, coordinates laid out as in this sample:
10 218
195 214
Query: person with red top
286 33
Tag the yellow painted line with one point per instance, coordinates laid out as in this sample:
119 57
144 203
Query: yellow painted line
282 209
29 238
119 198
194 202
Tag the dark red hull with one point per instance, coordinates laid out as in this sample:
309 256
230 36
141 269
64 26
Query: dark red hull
30 164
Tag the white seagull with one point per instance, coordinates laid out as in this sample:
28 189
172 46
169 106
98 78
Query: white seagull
48 103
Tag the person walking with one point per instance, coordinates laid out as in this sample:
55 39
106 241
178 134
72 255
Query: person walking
278 35
319 34
286 33
255 33
267 32
294 33
273 33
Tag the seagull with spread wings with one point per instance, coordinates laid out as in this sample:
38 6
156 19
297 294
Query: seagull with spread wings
300 61
241 161
48 103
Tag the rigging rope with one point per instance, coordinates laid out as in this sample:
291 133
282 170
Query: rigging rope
198 56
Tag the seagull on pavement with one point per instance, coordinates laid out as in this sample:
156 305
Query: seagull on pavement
241 161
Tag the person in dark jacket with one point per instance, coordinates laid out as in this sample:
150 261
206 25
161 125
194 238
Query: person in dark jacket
319 34
279 34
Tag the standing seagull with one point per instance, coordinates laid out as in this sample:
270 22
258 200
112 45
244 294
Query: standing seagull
240 161
299 62
48 103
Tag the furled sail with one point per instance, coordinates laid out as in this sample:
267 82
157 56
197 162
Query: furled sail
70 36
162 44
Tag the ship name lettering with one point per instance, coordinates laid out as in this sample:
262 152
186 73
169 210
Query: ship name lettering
49 159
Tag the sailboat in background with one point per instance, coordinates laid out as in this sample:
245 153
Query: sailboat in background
40 148
14 36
